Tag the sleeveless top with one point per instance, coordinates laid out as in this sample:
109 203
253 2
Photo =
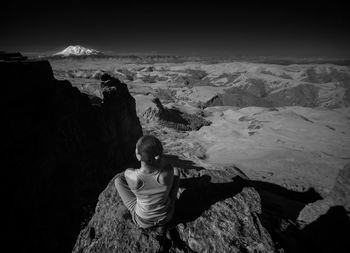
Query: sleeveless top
153 204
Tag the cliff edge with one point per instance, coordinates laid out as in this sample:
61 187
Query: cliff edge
59 152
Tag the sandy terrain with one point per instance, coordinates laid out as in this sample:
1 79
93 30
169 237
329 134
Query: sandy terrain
288 125
295 147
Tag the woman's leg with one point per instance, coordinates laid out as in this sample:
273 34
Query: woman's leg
127 196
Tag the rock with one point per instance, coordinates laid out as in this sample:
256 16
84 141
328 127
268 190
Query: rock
237 100
59 153
146 107
149 69
341 190
120 114
97 74
150 108
328 233
82 74
256 95
301 95
105 77
124 74
339 196
217 211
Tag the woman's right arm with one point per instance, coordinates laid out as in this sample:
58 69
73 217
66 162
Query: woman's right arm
176 182
170 176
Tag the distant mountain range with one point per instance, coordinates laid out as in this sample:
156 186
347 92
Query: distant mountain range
78 51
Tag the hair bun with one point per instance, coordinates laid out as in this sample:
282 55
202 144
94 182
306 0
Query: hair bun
149 148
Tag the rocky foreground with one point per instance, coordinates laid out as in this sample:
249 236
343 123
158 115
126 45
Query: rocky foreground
62 148
59 152
223 211
217 211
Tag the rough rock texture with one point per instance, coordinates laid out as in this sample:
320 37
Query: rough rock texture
59 153
217 211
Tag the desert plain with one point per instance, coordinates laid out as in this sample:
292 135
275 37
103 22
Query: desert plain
284 124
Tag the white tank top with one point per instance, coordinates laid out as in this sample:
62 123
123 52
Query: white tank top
153 201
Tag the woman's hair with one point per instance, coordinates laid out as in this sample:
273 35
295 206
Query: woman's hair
149 147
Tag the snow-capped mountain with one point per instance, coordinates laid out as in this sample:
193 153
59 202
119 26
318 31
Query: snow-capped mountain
77 51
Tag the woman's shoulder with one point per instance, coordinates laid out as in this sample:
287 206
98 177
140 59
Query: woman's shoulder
170 169
166 175
130 173
131 176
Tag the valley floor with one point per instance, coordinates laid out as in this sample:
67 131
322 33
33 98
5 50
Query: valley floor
285 127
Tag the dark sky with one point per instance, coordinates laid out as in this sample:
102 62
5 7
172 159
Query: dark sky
213 28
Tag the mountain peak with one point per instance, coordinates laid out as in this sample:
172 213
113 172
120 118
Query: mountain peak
77 50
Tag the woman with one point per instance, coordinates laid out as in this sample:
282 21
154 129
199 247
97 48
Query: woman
149 192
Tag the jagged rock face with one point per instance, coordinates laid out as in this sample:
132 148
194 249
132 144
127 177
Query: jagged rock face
59 153
217 211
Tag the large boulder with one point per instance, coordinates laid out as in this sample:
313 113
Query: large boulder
59 151
217 211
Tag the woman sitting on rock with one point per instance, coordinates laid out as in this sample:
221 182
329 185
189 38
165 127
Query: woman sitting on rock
149 192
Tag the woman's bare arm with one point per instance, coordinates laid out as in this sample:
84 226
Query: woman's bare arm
176 183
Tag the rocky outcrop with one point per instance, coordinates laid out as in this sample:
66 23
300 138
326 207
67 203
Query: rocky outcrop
59 152
146 108
217 211
302 95
150 108
237 100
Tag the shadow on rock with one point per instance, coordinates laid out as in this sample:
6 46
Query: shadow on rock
329 233
280 210
199 194
59 152
288 203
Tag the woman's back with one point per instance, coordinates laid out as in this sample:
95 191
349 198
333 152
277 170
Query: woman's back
152 192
